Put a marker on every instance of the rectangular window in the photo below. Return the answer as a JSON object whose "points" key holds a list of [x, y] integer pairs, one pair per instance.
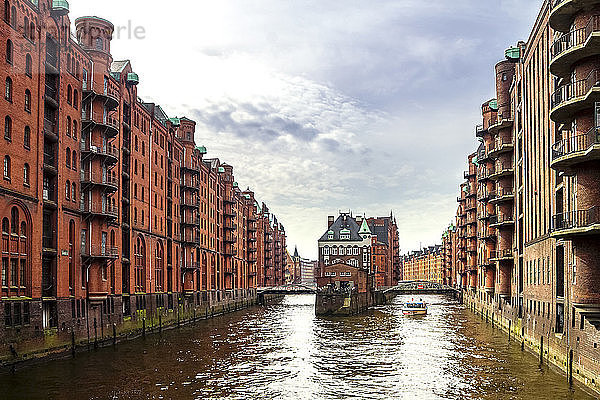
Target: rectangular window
{"points": [[26, 313], [7, 314], [13, 272], [560, 318], [5, 272]]}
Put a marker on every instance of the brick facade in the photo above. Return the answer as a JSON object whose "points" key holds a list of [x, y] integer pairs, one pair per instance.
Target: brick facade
{"points": [[108, 206]]}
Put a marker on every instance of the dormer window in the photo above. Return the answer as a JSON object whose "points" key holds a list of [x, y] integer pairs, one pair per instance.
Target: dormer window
{"points": [[330, 235]]}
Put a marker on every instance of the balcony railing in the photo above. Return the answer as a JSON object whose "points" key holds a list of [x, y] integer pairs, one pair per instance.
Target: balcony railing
{"points": [[501, 254], [575, 37], [99, 179], [108, 121], [575, 89], [108, 150], [576, 144], [100, 251], [99, 209], [576, 219]]}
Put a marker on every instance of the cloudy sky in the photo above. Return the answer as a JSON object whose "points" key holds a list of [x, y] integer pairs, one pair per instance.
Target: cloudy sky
{"points": [[327, 105]]}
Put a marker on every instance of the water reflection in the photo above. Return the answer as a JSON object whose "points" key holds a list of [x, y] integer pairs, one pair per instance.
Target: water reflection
{"points": [[285, 352]]}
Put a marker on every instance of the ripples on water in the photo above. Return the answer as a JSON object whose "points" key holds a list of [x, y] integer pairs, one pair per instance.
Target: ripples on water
{"points": [[285, 352]]}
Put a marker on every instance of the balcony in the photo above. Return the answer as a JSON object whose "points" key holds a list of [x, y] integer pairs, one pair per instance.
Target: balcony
{"points": [[230, 213], [576, 96], [577, 149], [575, 44], [252, 227], [104, 180], [188, 184], [109, 96], [480, 130], [460, 199], [99, 210], [188, 238], [471, 249], [485, 174], [51, 95], [50, 130], [190, 167], [109, 152], [471, 173], [576, 223], [487, 234], [191, 266], [50, 163], [471, 205], [501, 221], [501, 170], [190, 221], [99, 252], [228, 200], [502, 255], [502, 122], [230, 226], [108, 124], [190, 203], [229, 238], [501, 145], [230, 252], [502, 195], [484, 195]]}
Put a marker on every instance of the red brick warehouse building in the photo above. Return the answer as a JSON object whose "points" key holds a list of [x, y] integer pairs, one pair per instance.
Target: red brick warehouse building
{"points": [[110, 211], [530, 258]]}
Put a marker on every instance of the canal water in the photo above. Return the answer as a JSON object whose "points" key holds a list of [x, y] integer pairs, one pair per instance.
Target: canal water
{"points": [[284, 352]]}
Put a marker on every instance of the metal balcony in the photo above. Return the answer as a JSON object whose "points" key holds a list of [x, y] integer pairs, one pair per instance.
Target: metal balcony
{"points": [[502, 195], [190, 185], [576, 150], [480, 130], [108, 124], [99, 252], [502, 122], [189, 167], [99, 210], [230, 226], [576, 96], [502, 170], [109, 152], [190, 203], [562, 12], [104, 180], [576, 223], [502, 255], [501, 145], [109, 97], [501, 221]]}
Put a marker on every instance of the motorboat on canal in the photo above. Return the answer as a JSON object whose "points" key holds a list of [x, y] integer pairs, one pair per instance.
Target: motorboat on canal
{"points": [[414, 308]]}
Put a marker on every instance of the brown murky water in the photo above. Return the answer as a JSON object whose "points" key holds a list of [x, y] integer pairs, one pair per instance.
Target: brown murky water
{"points": [[285, 352]]}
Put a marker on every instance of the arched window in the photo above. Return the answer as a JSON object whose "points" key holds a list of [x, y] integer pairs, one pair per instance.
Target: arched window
{"points": [[69, 126], [160, 268], [75, 99], [69, 92], [27, 100], [77, 70], [68, 190], [13, 17], [27, 137], [14, 220], [72, 256], [74, 160], [6, 11], [15, 254], [75, 129], [140, 265], [8, 89], [28, 65], [7, 128], [32, 31], [26, 27], [99, 44], [68, 158], [7, 167], [135, 215], [26, 174], [9, 51], [69, 69], [74, 191]]}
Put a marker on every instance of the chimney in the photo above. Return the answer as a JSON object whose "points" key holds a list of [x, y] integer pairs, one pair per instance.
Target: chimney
{"points": [[359, 219], [330, 220]]}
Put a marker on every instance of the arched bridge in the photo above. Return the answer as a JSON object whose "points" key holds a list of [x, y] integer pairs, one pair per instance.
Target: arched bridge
{"points": [[421, 287], [287, 289]]}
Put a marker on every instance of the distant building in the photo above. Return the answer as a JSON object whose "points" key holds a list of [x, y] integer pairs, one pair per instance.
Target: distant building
{"points": [[307, 271], [424, 265]]}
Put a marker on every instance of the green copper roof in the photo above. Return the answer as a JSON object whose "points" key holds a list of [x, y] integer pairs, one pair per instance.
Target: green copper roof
{"points": [[235, 184], [494, 104], [512, 53], [133, 78], [60, 4], [175, 121], [201, 149], [221, 170], [364, 228]]}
